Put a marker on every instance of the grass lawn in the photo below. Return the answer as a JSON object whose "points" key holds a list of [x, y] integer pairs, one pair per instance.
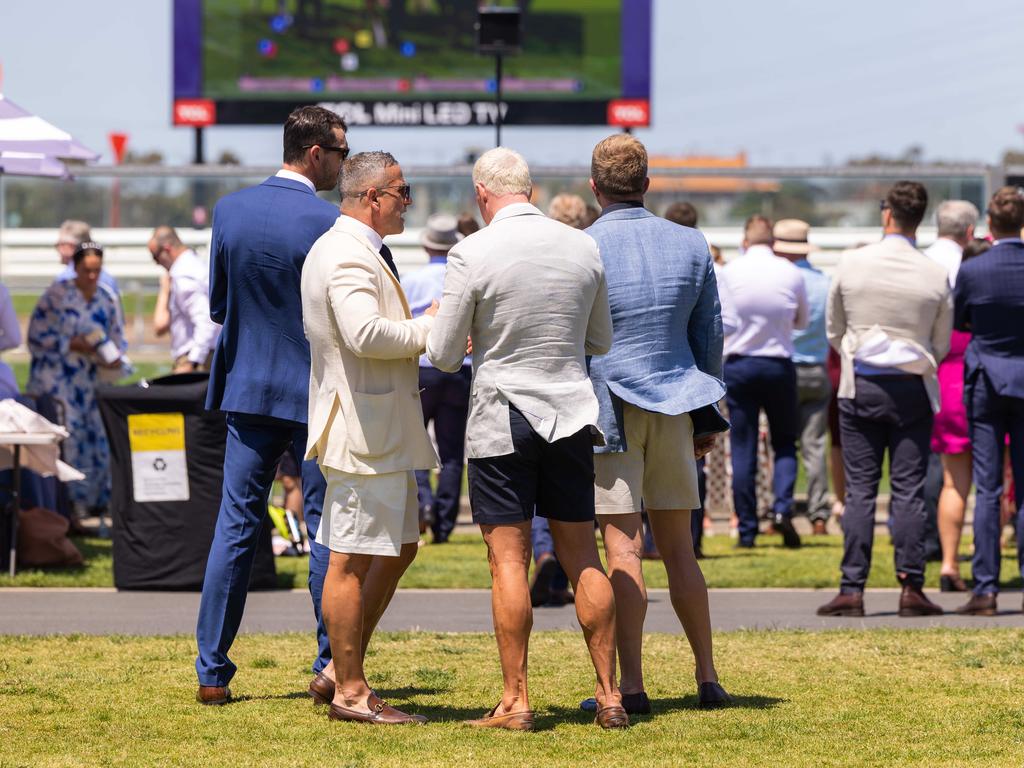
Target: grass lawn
{"points": [[462, 562], [873, 698]]}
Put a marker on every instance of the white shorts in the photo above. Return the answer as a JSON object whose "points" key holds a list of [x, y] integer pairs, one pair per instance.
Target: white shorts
{"points": [[369, 514], [658, 469]]}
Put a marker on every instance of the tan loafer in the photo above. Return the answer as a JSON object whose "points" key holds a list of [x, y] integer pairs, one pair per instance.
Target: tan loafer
{"points": [[510, 721], [213, 695], [382, 713]]}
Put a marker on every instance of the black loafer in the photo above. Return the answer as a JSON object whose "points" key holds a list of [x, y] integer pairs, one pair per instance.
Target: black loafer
{"points": [[712, 695], [633, 703]]}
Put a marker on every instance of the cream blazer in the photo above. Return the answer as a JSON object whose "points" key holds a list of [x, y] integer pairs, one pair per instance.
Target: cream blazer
{"points": [[886, 292], [364, 404]]}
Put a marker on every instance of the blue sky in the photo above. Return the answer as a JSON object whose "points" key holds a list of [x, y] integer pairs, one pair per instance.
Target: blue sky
{"points": [[789, 81]]}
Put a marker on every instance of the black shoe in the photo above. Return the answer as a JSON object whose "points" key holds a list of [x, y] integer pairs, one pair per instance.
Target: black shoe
{"points": [[711, 695], [744, 545], [951, 584], [633, 703], [783, 525], [543, 573]]}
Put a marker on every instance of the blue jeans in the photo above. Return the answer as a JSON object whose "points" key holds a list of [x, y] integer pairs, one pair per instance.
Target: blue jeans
{"points": [[756, 383], [254, 446]]}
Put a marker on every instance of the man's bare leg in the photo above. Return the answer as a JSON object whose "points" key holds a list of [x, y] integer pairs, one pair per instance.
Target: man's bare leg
{"points": [[508, 555], [381, 583], [595, 601], [623, 545], [343, 617], [686, 586]]}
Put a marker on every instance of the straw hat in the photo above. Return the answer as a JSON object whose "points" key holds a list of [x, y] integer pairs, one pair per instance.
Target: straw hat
{"points": [[791, 237], [441, 232]]}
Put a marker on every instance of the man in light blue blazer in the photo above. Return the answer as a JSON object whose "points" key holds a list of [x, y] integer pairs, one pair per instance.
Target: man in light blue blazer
{"points": [[260, 374], [664, 368]]}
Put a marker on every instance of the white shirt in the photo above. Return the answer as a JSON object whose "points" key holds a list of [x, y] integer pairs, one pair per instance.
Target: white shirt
{"points": [[284, 173], [769, 301], [193, 333], [948, 253], [729, 320], [368, 232]]}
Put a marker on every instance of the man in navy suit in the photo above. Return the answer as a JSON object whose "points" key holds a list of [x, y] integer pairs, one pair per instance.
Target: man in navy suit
{"points": [[260, 374], [988, 301]]}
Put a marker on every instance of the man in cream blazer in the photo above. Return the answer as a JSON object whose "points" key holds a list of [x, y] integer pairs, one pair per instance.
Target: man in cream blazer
{"points": [[889, 316], [365, 423], [531, 294]]}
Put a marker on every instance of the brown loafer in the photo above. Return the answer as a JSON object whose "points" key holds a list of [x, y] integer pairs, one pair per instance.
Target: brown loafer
{"points": [[979, 605], [612, 716], [321, 688], [213, 695], [913, 602], [844, 604], [510, 721], [382, 713]]}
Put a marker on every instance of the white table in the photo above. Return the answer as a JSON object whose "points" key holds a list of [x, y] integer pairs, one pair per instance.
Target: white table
{"points": [[16, 440]]}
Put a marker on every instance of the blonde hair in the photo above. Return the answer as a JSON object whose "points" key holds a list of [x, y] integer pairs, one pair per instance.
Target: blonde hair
{"points": [[619, 167], [569, 209], [503, 171]]}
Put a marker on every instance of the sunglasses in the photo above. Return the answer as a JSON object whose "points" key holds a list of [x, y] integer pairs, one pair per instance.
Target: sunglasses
{"points": [[343, 151], [404, 192]]}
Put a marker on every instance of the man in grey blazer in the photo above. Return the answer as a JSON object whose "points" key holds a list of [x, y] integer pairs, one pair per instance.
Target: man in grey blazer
{"points": [[889, 316], [531, 294]]}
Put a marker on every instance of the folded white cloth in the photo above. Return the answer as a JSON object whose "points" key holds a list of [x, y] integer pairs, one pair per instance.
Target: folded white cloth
{"points": [[17, 421]]}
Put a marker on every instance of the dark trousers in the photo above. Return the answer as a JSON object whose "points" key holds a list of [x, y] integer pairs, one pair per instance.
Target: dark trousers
{"points": [[445, 401], [992, 417], [254, 446], [888, 413], [756, 383], [544, 544]]}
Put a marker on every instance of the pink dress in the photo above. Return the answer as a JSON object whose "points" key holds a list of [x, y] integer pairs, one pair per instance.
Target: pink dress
{"points": [[949, 433]]}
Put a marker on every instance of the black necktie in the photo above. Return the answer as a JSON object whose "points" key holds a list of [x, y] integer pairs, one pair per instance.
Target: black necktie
{"points": [[386, 253]]}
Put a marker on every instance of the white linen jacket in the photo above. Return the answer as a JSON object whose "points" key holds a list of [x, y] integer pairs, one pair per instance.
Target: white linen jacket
{"points": [[365, 415]]}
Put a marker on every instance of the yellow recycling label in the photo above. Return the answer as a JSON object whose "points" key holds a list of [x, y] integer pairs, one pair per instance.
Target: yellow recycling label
{"points": [[159, 468]]}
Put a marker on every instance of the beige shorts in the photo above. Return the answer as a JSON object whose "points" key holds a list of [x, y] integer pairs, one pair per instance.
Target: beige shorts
{"points": [[369, 514], [658, 468]]}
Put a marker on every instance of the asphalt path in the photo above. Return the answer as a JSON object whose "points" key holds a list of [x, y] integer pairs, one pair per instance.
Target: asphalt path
{"points": [[108, 612]]}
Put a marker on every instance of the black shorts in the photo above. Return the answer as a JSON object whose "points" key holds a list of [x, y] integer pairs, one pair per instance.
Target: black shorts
{"points": [[554, 480]]}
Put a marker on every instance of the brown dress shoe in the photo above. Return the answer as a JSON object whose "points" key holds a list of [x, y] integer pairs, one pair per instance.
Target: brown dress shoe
{"points": [[844, 604], [951, 583], [979, 605], [213, 695], [321, 688], [913, 602], [612, 716], [380, 713], [819, 528], [511, 721]]}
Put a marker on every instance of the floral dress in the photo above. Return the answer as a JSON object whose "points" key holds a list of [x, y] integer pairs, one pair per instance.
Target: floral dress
{"points": [[62, 313]]}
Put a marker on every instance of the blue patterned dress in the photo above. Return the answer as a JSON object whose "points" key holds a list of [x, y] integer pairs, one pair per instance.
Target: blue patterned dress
{"points": [[62, 313]]}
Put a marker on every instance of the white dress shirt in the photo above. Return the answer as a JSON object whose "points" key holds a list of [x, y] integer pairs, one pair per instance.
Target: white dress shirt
{"points": [[284, 173], [368, 232], [948, 253], [769, 300], [193, 333]]}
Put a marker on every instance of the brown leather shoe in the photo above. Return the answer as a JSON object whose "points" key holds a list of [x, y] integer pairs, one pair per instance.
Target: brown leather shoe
{"points": [[979, 605], [321, 688], [951, 583], [612, 716], [511, 721], [819, 528], [913, 602], [213, 695], [844, 604], [381, 713]]}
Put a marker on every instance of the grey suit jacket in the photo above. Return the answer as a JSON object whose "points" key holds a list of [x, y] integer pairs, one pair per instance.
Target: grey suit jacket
{"points": [[890, 289], [531, 292]]}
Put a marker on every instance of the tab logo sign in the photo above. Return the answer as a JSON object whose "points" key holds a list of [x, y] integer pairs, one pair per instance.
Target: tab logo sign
{"points": [[159, 469], [198, 112], [629, 113]]}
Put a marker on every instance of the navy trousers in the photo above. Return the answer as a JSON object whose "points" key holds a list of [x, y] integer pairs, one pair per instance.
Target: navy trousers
{"points": [[254, 447], [888, 413], [755, 384], [991, 418], [445, 401]]}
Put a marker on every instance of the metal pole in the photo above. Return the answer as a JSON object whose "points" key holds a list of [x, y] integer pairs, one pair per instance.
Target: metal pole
{"points": [[497, 99], [3, 218], [15, 506], [197, 152]]}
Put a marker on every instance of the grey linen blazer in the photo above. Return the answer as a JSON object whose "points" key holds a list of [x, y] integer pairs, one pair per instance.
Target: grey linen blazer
{"points": [[531, 293]]}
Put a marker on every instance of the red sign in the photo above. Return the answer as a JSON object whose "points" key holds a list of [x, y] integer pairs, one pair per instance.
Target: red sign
{"points": [[119, 142], [629, 113], [194, 112]]}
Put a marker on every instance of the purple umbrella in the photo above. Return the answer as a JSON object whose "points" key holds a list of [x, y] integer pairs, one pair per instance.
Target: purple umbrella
{"points": [[21, 131]]}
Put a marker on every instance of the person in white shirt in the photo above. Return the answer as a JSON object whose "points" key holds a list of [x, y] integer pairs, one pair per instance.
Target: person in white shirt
{"points": [[768, 298], [193, 333], [955, 220]]}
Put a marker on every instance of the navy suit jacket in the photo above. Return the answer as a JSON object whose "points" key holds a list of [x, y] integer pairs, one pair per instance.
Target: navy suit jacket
{"points": [[261, 236], [988, 301]]}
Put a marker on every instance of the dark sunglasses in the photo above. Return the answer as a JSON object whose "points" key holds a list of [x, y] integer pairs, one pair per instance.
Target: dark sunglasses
{"points": [[343, 151], [404, 192]]}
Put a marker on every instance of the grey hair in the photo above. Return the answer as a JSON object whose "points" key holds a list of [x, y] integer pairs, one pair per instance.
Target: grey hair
{"points": [[503, 171], [73, 231], [364, 170], [955, 217]]}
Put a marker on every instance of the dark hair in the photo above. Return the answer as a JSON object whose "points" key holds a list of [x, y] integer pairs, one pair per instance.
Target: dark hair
{"points": [[1006, 211], [757, 230], [85, 249], [908, 201], [306, 126], [467, 224], [682, 213], [975, 247]]}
